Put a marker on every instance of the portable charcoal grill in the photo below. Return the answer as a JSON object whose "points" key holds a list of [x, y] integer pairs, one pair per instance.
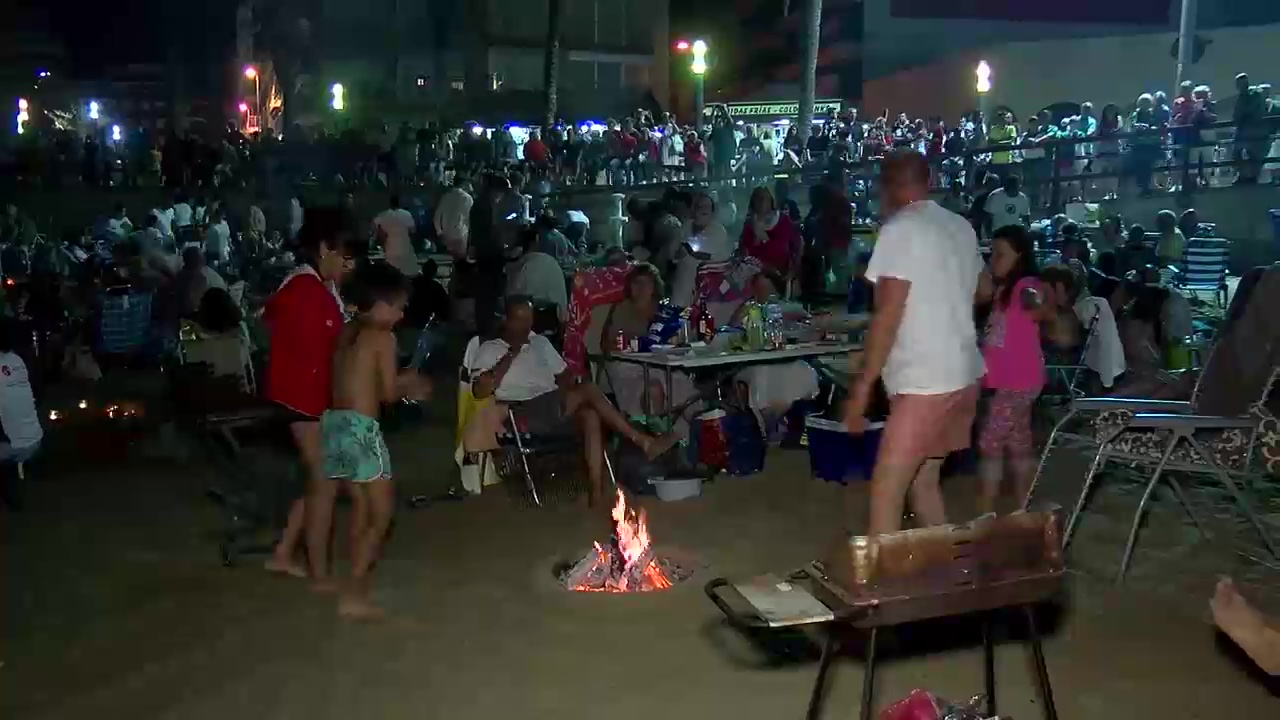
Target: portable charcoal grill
{"points": [[865, 584]]}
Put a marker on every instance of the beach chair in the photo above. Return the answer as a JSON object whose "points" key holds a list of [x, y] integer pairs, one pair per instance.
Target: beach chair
{"points": [[516, 445], [1204, 267], [1223, 431], [1065, 382]]}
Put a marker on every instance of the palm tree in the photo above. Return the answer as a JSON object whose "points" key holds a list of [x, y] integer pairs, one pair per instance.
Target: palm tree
{"points": [[287, 38], [551, 64], [809, 74]]}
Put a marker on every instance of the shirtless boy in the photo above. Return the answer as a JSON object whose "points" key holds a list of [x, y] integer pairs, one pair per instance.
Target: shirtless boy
{"points": [[364, 378]]}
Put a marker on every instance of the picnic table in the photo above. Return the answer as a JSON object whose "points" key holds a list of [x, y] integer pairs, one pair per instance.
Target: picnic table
{"points": [[721, 360]]}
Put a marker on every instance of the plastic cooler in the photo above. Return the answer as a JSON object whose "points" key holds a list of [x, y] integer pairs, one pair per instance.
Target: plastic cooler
{"points": [[835, 455]]}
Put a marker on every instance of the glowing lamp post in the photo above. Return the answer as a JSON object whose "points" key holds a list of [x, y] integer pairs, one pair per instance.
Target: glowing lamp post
{"points": [[983, 86], [339, 101], [251, 73], [94, 110], [699, 68], [23, 115]]}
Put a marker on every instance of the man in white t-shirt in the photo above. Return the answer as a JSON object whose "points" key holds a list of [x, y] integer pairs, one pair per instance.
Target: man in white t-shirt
{"points": [[18, 416], [1008, 205], [394, 229], [521, 366], [182, 213], [921, 341], [164, 220]]}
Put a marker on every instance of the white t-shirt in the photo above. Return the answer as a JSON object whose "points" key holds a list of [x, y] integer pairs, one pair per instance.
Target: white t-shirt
{"points": [[17, 404], [295, 217], [936, 349], [218, 242], [1006, 209], [712, 240], [532, 373], [164, 221], [181, 215], [396, 225]]}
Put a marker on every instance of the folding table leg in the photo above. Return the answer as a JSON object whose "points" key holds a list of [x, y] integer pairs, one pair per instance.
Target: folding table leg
{"points": [[818, 695], [869, 677], [989, 662], [1042, 671]]}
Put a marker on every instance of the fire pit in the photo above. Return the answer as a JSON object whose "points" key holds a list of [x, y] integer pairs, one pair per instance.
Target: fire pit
{"points": [[626, 563]]}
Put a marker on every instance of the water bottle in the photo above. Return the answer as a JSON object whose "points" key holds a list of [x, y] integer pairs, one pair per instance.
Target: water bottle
{"points": [[773, 326]]}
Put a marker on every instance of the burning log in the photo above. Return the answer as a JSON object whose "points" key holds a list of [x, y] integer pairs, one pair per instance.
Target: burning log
{"points": [[627, 563]]}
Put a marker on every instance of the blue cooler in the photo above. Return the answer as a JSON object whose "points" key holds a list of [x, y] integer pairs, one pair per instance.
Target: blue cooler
{"points": [[835, 455]]}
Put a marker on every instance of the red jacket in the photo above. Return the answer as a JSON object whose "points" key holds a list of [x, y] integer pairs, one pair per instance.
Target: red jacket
{"points": [[303, 320], [781, 248]]}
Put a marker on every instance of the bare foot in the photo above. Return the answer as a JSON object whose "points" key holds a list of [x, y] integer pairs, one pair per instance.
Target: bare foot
{"points": [[358, 609], [655, 446], [285, 567], [1245, 625], [324, 585]]}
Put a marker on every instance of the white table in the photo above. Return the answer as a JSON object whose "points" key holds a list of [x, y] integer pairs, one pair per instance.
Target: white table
{"points": [[707, 357]]}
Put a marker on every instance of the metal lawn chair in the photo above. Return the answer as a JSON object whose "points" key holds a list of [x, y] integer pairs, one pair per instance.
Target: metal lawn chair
{"points": [[517, 443], [1065, 381], [1167, 435], [1204, 268]]}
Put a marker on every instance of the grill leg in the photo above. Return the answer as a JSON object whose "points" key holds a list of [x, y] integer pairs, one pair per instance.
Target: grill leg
{"points": [[989, 662], [869, 677], [818, 695], [1042, 672]]}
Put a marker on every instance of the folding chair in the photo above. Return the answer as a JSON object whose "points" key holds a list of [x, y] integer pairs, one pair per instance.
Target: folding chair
{"points": [[1067, 378], [516, 441], [1205, 267], [1167, 435]]}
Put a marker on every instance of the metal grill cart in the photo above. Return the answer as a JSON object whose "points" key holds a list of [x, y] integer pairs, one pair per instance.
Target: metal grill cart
{"points": [[867, 584]]}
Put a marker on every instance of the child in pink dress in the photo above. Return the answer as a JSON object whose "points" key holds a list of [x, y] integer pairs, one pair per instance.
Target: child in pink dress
{"points": [[1015, 364]]}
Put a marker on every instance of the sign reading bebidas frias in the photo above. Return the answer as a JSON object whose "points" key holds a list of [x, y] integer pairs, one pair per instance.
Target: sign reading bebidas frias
{"points": [[782, 109]]}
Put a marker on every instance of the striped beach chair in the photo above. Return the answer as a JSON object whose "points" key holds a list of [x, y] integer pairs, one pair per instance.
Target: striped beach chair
{"points": [[1204, 267]]}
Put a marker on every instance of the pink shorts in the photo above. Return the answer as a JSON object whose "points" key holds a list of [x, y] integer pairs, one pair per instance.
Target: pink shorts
{"points": [[1007, 424], [921, 427]]}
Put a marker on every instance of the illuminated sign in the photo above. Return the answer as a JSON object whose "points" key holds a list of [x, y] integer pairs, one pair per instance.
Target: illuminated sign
{"points": [[783, 109]]}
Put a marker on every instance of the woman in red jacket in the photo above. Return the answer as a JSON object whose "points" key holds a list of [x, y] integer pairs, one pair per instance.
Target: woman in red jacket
{"points": [[770, 236], [303, 318]]}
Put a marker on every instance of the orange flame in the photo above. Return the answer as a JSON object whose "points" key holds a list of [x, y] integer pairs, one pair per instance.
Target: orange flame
{"points": [[632, 531]]}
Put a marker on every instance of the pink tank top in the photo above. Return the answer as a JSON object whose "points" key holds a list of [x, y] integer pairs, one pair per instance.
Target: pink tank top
{"points": [[1011, 345]]}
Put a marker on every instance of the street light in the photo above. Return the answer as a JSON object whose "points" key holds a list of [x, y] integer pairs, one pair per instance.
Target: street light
{"points": [[699, 68], [23, 116], [984, 77], [93, 109], [339, 98], [251, 73], [984, 87]]}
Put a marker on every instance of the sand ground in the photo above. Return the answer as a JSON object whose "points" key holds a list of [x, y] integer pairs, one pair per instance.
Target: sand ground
{"points": [[115, 606]]}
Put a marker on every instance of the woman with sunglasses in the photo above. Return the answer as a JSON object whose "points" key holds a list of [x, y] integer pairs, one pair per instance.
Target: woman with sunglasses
{"points": [[303, 319]]}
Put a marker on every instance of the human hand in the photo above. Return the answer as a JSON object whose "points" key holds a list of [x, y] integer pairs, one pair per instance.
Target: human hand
{"points": [[855, 409], [413, 386]]}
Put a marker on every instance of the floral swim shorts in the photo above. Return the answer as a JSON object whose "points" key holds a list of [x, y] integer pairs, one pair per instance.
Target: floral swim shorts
{"points": [[1006, 426], [353, 448]]}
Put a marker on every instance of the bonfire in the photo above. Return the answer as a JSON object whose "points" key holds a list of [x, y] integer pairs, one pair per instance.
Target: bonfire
{"points": [[627, 563]]}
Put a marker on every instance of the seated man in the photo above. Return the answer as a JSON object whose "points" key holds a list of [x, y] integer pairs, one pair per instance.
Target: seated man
{"points": [[520, 366]]}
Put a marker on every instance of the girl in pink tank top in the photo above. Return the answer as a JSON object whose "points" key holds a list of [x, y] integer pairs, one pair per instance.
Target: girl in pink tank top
{"points": [[1015, 365]]}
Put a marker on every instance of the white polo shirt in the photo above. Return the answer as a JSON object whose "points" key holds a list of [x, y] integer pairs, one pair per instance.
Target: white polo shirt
{"points": [[531, 374], [936, 349]]}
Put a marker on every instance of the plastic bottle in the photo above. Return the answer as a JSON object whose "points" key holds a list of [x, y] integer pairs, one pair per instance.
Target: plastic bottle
{"points": [[773, 326]]}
